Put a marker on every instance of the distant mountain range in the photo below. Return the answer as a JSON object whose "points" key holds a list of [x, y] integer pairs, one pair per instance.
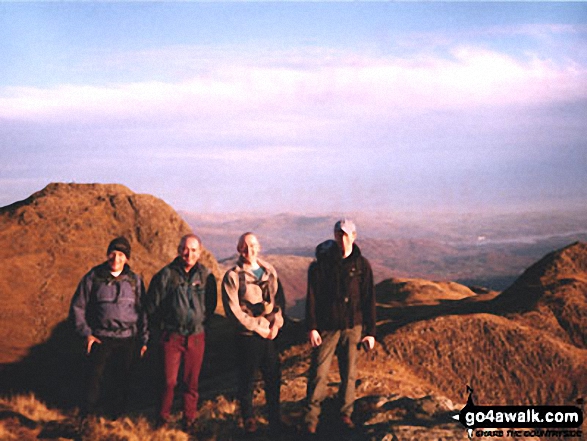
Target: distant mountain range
{"points": [[488, 251]]}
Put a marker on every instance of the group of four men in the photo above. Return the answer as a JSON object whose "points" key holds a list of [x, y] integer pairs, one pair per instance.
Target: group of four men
{"points": [[119, 319]]}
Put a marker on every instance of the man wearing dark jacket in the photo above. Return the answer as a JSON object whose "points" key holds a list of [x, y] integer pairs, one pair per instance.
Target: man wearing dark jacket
{"points": [[180, 298], [340, 315], [107, 310]]}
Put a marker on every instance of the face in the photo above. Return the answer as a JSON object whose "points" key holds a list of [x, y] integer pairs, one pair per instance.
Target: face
{"points": [[249, 249], [189, 252], [345, 241], [116, 261]]}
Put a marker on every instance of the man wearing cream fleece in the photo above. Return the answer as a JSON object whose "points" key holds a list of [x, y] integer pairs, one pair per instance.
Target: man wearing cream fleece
{"points": [[249, 292]]}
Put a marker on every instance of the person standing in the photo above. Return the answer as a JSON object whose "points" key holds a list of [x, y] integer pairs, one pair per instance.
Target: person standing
{"points": [[340, 316], [107, 311], [180, 298], [249, 291]]}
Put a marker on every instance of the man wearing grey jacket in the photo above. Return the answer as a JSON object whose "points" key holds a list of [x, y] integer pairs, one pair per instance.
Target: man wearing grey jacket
{"points": [[107, 311]]}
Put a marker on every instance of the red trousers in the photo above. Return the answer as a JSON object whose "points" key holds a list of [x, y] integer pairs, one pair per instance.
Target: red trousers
{"points": [[190, 349]]}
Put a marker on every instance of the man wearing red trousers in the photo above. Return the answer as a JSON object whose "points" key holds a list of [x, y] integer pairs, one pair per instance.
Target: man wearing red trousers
{"points": [[180, 298]]}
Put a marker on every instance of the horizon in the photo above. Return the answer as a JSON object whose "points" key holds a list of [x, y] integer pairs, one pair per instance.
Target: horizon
{"points": [[254, 107], [404, 213]]}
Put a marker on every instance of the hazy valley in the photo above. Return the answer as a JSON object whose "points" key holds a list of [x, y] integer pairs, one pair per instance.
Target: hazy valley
{"points": [[489, 251]]}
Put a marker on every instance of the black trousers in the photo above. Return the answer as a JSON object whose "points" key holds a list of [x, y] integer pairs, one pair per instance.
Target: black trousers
{"points": [[114, 357], [255, 353]]}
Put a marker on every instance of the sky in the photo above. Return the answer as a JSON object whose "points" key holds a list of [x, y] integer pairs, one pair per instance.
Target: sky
{"points": [[300, 107]]}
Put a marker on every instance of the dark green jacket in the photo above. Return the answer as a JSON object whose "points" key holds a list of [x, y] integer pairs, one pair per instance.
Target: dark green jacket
{"points": [[181, 302]]}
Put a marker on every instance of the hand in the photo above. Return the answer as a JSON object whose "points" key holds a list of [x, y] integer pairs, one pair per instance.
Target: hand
{"points": [[315, 338], [273, 331], [369, 342], [278, 320], [264, 332], [90, 342], [143, 350]]}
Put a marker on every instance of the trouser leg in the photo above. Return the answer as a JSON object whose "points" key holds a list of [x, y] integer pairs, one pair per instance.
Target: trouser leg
{"points": [[98, 358], [248, 347], [194, 355], [271, 370], [318, 374], [123, 356], [347, 361], [172, 349]]}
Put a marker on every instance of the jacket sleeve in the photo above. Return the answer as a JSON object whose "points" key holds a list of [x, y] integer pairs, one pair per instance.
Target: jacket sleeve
{"points": [[211, 295], [79, 304], [311, 322], [280, 296], [368, 300], [142, 324], [153, 300], [277, 295], [279, 302], [232, 307]]}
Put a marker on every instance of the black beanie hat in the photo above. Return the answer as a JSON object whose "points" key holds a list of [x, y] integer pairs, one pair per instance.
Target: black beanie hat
{"points": [[120, 244]]}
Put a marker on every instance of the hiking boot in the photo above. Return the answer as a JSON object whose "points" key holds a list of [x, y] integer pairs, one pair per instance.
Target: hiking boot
{"points": [[84, 423], [346, 421], [161, 423], [189, 427], [311, 428], [275, 429], [250, 425]]}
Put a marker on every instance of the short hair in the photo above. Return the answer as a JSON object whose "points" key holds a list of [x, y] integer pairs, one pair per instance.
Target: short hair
{"points": [[241, 239], [185, 238]]}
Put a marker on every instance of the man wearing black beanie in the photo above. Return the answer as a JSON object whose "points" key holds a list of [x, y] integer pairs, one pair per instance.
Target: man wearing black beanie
{"points": [[119, 244], [107, 310]]}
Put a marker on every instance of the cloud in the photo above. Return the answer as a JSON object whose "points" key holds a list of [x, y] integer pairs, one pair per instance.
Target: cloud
{"points": [[372, 126], [311, 87]]}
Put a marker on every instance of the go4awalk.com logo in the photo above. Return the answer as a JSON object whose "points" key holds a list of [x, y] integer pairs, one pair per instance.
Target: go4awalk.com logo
{"points": [[538, 421]]}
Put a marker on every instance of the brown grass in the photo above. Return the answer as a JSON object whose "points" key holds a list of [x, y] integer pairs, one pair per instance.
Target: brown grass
{"points": [[130, 429], [28, 406], [25, 417]]}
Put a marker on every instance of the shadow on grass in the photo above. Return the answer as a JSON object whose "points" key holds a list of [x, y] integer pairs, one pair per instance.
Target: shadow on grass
{"points": [[54, 371]]}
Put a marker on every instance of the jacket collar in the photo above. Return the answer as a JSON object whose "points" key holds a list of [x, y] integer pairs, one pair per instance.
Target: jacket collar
{"points": [[103, 271], [262, 263], [330, 251], [177, 265]]}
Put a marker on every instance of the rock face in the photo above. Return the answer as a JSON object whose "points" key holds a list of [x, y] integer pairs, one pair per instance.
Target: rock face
{"points": [[51, 239]]}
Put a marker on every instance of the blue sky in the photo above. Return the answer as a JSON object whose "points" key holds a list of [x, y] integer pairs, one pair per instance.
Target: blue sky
{"points": [[301, 106]]}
